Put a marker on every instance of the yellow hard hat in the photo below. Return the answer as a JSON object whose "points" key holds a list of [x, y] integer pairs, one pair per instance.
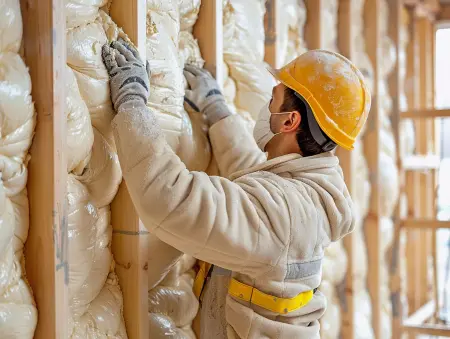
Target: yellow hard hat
{"points": [[335, 91]]}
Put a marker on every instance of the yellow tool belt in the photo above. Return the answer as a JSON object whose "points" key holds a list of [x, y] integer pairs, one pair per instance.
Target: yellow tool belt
{"points": [[251, 294], [269, 302], [200, 278]]}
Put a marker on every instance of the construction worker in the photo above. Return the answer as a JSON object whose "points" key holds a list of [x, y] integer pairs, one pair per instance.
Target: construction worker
{"points": [[269, 219]]}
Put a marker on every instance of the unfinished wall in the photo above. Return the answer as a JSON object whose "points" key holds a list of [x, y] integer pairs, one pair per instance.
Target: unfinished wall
{"points": [[95, 299], [388, 172], [170, 45], [18, 314], [361, 185]]}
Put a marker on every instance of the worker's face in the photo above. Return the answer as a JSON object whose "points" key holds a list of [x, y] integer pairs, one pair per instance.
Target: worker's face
{"points": [[284, 123]]}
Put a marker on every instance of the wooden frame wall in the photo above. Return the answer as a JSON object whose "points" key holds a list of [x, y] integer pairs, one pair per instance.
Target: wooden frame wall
{"points": [[44, 36], [46, 247]]}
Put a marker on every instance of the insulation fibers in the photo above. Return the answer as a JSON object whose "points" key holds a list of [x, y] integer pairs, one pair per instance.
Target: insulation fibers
{"points": [[243, 44], [186, 138], [94, 175], [170, 45], [329, 23], [290, 38], [18, 314], [330, 323]]}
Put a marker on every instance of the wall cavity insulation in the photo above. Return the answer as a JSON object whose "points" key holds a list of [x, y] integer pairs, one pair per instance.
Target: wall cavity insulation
{"points": [[94, 175], [18, 314]]}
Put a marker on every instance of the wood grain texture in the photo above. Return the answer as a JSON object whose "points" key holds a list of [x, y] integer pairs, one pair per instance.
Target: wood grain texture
{"points": [[46, 248], [130, 238]]}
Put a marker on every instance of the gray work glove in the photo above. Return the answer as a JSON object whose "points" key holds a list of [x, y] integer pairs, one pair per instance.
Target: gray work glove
{"points": [[129, 76], [204, 95]]}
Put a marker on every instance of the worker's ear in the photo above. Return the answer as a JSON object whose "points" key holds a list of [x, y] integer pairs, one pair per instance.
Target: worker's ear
{"points": [[291, 122]]}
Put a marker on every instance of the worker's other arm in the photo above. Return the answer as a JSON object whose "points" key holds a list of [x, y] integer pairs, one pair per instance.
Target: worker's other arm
{"points": [[233, 146], [210, 218]]}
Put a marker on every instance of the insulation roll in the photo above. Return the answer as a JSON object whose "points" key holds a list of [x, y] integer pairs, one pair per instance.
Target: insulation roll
{"points": [[18, 313], [244, 54], [186, 137], [17, 117], [290, 37], [170, 45], [95, 297], [10, 26], [80, 136]]}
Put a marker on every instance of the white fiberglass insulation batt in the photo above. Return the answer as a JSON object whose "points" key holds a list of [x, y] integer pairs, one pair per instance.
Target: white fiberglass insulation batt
{"points": [[406, 125], [290, 37], [335, 260], [247, 83], [170, 45], [95, 299], [18, 314], [388, 172]]}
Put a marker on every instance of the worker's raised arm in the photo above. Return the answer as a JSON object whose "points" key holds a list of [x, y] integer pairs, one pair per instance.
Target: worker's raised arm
{"points": [[233, 146], [210, 218]]}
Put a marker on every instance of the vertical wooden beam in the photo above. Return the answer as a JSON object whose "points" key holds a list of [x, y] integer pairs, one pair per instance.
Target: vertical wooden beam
{"points": [[130, 238], [313, 26], [46, 248], [412, 178], [396, 89], [346, 47], [423, 128], [272, 21], [208, 31], [372, 34]]}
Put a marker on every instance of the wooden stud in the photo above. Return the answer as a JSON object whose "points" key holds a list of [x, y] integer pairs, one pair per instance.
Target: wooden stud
{"points": [[425, 223], [346, 47], [46, 248], [373, 39], [396, 89], [272, 46], [208, 31], [426, 114], [432, 330], [130, 238], [313, 26]]}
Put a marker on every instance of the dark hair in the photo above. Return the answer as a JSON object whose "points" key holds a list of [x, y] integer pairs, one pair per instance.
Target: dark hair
{"points": [[308, 146]]}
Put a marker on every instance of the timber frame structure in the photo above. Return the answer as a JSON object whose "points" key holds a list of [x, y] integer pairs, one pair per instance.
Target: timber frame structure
{"points": [[44, 48]]}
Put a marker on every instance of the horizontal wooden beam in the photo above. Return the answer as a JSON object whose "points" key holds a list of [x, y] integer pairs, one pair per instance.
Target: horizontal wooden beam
{"points": [[428, 113], [421, 162], [429, 329], [444, 13], [424, 223], [421, 315]]}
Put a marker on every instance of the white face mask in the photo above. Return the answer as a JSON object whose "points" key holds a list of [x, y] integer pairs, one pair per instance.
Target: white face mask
{"points": [[262, 132]]}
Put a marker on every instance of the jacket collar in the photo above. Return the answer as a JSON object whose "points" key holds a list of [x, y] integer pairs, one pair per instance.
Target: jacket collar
{"points": [[291, 163]]}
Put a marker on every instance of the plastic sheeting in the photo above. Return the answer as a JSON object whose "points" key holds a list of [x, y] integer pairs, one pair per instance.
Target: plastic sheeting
{"points": [[170, 45], [18, 314], [95, 299]]}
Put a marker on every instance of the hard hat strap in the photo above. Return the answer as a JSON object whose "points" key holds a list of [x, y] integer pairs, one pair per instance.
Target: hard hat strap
{"points": [[325, 143]]}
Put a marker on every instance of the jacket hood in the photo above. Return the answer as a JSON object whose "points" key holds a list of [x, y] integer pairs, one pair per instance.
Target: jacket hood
{"points": [[320, 174]]}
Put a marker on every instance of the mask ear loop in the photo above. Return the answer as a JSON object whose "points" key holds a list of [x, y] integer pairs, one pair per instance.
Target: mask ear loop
{"points": [[318, 135]]}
